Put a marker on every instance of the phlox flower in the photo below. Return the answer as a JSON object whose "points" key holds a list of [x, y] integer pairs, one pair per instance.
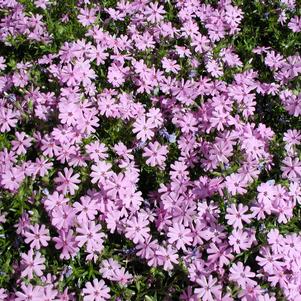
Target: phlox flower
{"points": [[170, 65], [137, 229], [21, 143], [201, 43], [236, 215], [63, 217], [12, 178], [155, 154], [179, 235], [221, 253], [54, 200], [3, 294], [209, 288], [295, 191], [266, 297], [143, 128], [100, 172], [30, 292], [235, 184], [250, 292], [112, 270], [86, 209], [32, 263], [2, 63], [87, 16], [242, 275], [154, 12], [295, 24], [168, 257], [66, 243], [89, 233], [67, 182], [240, 240], [96, 291], [291, 168], [37, 236]]}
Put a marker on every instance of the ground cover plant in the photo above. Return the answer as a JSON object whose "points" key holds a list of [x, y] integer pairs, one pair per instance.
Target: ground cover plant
{"points": [[150, 150]]}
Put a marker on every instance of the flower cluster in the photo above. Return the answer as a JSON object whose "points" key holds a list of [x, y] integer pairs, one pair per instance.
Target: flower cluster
{"points": [[149, 149]]}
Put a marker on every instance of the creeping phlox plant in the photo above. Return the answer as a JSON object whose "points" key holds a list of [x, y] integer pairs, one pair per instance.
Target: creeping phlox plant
{"points": [[150, 150]]}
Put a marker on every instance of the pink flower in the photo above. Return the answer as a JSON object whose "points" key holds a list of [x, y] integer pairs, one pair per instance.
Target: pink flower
{"points": [[291, 168], [201, 43], [154, 12], [55, 200], [86, 209], [112, 270], [32, 264], [155, 154], [8, 119], [168, 256], [235, 184], [144, 128], [179, 235], [89, 233], [295, 24], [21, 143], [37, 236], [96, 291], [170, 65], [235, 216], [240, 240], [67, 182], [2, 63], [100, 172], [209, 288], [242, 275], [63, 217], [30, 293], [12, 179], [137, 229], [66, 241], [87, 16]]}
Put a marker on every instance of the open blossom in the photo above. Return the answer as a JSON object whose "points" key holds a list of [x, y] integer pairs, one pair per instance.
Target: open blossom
{"points": [[89, 233], [291, 168], [96, 291], [8, 119], [240, 240], [137, 229], [63, 217], [155, 154], [170, 65], [236, 215], [55, 200], [209, 288], [29, 292], [235, 184], [154, 12], [242, 275], [33, 264], [37, 236], [100, 172], [21, 143], [87, 16], [86, 209], [143, 128], [67, 182], [66, 243], [295, 24], [179, 235], [112, 270]]}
